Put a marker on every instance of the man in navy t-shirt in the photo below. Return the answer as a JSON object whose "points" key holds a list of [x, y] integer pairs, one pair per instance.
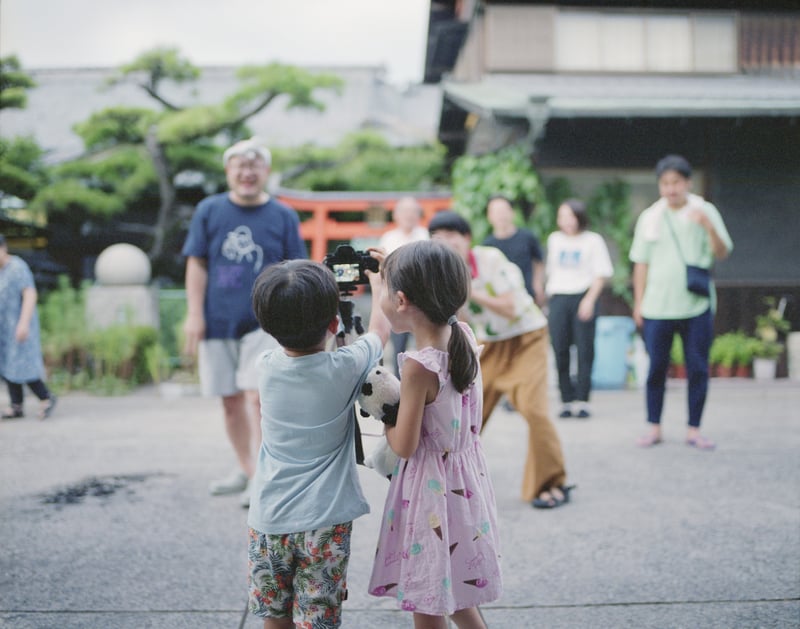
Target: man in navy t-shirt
{"points": [[232, 237]]}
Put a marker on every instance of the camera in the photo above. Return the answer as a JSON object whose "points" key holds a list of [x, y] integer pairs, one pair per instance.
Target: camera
{"points": [[349, 266]]}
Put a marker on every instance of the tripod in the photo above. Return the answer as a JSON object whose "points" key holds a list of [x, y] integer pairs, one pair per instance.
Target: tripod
{"points": [[350, 321]]}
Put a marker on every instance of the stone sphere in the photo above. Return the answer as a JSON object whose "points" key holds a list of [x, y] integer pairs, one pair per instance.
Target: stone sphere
{"points": [[122, 264]]}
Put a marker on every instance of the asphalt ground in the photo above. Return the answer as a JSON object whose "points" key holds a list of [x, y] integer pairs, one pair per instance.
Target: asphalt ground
{"points": [[106, 521]]}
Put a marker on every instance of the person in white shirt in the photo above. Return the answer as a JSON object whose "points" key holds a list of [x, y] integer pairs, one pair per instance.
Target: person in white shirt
{"points": [[407, 215], [578, 266]]}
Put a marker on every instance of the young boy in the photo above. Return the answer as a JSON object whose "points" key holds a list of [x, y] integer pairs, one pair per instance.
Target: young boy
{"points": [[305, 491]]}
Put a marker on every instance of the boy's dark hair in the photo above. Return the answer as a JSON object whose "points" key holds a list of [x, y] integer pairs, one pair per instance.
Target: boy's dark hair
{"points": [[295, 301], [677, 163], [449, 221], [437, 281], [578, 208]]}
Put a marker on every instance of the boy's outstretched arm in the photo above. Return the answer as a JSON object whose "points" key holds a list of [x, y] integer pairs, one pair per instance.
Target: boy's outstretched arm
{"points": [[378, 323]]}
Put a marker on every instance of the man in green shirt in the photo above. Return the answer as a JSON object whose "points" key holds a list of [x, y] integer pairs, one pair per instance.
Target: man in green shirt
{"points": [[679, 229]]}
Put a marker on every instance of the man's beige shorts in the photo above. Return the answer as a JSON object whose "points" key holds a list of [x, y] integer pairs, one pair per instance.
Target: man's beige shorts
{"points": [[227, 366]]}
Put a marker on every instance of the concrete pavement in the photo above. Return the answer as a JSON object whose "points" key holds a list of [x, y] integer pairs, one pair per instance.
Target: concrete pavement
{"points": [[105, 519]]}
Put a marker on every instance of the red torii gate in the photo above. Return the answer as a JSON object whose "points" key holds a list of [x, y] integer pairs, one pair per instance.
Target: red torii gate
{"points": [[321, 227]]}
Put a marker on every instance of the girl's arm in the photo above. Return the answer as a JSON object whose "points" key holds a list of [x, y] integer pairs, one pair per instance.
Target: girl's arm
{"points": [[418, 387], [378, 323], [586, 307]]}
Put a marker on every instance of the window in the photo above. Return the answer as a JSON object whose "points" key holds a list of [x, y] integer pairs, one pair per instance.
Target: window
{"points": [[595, 41]]}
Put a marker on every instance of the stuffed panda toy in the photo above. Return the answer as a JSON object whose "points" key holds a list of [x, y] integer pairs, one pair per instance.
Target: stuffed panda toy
{"points": [[380, 398]]}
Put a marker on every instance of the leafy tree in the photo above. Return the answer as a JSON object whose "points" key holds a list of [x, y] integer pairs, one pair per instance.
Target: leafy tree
{"points": [[508, 172], [134, 155], [22, 170], [14, 83], [363, 160]]}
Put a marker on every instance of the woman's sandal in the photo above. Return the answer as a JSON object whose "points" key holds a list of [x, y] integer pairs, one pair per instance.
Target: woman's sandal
{"points": [[47, 407], [13, 412], [701, 443], [548, 500], [648, 441]]}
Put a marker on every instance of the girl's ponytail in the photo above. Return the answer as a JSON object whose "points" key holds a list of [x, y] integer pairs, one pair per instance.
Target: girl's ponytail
{"points": [[463, 360]]}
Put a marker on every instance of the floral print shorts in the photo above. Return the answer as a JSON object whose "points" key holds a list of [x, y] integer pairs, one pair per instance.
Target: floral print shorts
{"points": [[300, 575]]}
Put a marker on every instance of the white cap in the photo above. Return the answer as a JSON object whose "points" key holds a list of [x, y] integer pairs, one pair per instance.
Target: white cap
{"points": [[249, 148]]}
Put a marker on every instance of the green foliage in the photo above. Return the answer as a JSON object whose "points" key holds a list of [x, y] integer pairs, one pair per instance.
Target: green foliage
{"points": [[64, 333], [508, 172], [14, 83], [186, 125], [125, 172], [74, 200], [771, 326], [609, 211], [108, 360], [115, 125], [723, 350], [22, 171], [153, 66], [676, 355], [260, 82], [363, 160]]}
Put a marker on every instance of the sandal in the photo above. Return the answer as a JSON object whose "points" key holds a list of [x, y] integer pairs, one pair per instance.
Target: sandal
{"points": [[13, 412], [648, 441], [701, 443], [47, 407], [548, 500]]}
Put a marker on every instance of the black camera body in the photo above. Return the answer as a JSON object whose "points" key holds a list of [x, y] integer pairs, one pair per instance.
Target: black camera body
{"points": [[349, 266]]}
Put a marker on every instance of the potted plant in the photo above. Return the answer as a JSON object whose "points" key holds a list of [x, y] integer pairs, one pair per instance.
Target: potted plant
{"points": [[745, 351], [722, 354], [770, 327]]}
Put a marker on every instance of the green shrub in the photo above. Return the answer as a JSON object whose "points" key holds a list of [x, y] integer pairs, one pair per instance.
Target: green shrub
{"points": [[107, 360]]}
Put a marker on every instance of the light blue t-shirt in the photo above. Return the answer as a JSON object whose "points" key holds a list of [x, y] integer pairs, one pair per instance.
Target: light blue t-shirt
{"points": [[306, 476]]}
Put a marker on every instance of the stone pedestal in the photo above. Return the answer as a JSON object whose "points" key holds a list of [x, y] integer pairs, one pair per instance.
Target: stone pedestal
{"points": [[122, 294], [109, 305]]}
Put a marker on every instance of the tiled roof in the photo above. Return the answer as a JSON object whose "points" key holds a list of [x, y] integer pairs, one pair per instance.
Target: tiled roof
{"points": [[567, 95], [63, 98]]}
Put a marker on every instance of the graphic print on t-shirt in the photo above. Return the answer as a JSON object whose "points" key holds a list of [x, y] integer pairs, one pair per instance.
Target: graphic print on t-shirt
{"points": [[239, 246], [570, 259]]}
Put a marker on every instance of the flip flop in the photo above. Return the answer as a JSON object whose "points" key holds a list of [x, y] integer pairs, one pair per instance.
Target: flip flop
{"points": [[648, 441], [552, 502], [701, 443]]}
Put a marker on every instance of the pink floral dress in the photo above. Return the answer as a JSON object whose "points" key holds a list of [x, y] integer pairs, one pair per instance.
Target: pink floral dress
{"points": [[438, 549]]}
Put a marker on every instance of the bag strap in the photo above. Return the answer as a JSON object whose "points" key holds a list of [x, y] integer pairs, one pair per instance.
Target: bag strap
{"points": [[668, 220], [674, 237]]}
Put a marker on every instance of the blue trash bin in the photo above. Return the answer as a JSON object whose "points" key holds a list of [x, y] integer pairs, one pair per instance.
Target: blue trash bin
{"points": [[612, 341]]}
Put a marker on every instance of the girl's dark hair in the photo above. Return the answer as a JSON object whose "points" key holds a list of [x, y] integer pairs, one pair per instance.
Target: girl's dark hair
{"points": [[678, 163], [578, 208], [437, 281], [295, 301]]}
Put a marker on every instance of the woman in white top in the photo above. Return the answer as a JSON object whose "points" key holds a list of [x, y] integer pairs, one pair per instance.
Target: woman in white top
{"points": [[578, 266]]}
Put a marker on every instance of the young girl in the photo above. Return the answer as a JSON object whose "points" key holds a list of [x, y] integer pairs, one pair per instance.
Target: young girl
{"points": [[438, 550]]}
